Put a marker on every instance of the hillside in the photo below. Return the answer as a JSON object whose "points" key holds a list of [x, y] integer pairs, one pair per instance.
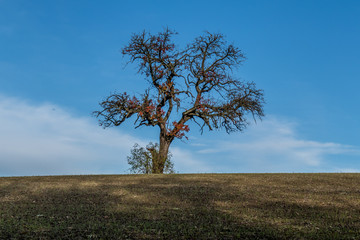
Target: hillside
{"points": [[181, 206]]}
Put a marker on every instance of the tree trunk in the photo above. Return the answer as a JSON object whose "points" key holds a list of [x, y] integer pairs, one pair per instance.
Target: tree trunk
{"points": [[159, 158]]}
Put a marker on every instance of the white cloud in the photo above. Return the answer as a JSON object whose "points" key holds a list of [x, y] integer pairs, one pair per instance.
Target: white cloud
{"points": [[346, 170], [45, 139], [186, 162], [272, 146]]}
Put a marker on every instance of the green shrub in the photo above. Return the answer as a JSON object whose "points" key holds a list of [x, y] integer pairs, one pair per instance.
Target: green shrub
{"points": [[141, 160]]}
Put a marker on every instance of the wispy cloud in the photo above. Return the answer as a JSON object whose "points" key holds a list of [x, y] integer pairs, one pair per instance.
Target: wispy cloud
{"points": [[188, 162], [45, 139], [273, 146]]}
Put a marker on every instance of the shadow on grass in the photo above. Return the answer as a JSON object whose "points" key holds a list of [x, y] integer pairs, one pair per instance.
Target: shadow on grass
{"points": [[165, 207]]}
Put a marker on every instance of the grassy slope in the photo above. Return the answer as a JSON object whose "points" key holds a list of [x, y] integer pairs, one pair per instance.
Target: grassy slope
{"points": [[199, 206]]}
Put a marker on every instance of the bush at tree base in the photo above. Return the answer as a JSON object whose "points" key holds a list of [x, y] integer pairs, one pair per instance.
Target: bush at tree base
{"points": [[141, 159]]}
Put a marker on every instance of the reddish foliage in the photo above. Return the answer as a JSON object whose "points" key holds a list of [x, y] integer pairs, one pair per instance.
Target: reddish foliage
{"points": [[195, 83], [179, 130]]}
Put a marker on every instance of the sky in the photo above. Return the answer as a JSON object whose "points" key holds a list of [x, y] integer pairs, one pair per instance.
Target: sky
{"points": [[59, 59]]}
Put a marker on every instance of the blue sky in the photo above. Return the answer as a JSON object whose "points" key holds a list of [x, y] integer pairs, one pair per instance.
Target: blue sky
{"points": [[58, 59]]}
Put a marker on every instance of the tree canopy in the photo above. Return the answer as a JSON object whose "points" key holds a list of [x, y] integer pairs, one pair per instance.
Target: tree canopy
{"points": [[191, 84]]}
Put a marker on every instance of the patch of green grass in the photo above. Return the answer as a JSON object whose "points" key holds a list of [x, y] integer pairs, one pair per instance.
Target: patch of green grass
{"points": [[181, 206]]}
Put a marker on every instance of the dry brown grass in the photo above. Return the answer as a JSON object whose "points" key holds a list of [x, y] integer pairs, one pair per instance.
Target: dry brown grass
{"points": [[193, 206]]}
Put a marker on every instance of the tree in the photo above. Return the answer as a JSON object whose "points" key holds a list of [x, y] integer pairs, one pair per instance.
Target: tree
{"points": [[190, 85], [141, 159]]}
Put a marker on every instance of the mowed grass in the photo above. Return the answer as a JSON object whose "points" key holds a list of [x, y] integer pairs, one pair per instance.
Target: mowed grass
{"points": [[181, 206]]}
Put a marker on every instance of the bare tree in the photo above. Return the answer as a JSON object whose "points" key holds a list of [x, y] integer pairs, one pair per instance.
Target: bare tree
{"points": [[194, 84]]}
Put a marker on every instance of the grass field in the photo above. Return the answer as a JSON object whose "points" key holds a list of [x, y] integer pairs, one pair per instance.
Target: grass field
{"points": [[181, 206]]}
